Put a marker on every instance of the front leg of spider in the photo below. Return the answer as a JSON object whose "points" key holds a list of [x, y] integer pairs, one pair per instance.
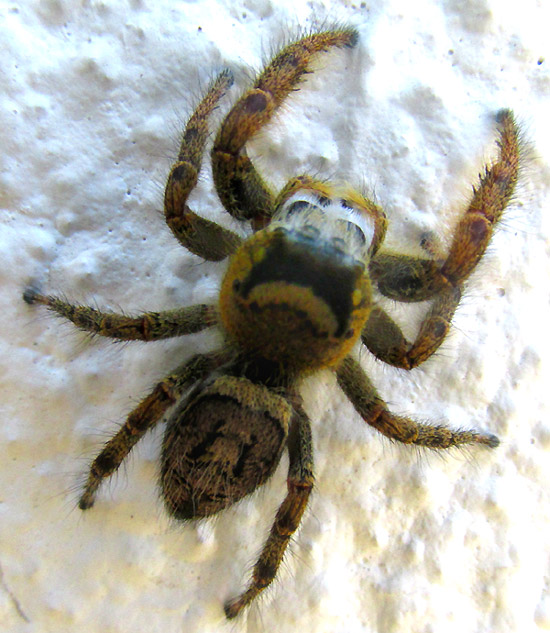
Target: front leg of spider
{"points": [[242, 190], [412, 279]]}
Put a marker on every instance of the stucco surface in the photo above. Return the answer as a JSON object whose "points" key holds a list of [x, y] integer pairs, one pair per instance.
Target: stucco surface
{"points": [[92, 98]]}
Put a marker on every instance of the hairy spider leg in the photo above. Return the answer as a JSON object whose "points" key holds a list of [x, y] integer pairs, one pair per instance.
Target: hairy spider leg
{"points": [[144, 417], [241, 189], [200, 236], [355, 383], [300, 483], [149, 326], [408, 279], [386, 341]]}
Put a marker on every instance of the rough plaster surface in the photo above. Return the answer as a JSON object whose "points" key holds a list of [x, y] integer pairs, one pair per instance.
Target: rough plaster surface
{"points": [[92, 97]]}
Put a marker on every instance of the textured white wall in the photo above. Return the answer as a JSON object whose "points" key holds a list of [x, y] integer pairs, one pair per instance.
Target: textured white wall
{"points": [[92, 96]]}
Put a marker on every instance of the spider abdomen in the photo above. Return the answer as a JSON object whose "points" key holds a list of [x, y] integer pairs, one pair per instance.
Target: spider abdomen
{"points": [[220, 445]]}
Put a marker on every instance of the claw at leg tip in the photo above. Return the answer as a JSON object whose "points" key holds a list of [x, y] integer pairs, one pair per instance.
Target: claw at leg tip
{"points": [[30, 295], [232, 609]]}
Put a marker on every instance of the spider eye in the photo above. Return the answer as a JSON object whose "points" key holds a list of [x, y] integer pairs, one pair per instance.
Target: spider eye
{"points": [[309, 231], [339, 244], [337, 221], [345, 204], [353, 231], [297, 206]]}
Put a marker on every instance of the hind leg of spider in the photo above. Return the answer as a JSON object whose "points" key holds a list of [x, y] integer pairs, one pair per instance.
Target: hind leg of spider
{"points": [[144, 417], [149, 326], [200, 236], [287, 520], [384, 338], [364, 397], [406, 278], [241, 188]]}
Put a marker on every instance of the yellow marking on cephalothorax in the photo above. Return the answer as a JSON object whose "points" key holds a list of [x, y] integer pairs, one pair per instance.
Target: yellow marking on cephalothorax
{"points": [[356, 297], [258, 254]]}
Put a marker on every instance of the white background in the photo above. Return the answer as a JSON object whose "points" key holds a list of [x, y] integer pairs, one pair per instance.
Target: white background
{"points": [[92, 98]]}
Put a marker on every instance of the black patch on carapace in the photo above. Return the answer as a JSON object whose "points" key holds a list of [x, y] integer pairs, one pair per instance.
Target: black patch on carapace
{"points": [[329, 274]]}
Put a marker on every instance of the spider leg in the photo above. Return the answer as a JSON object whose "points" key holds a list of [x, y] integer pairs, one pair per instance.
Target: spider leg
{"points": [[200, 236], [405, 278], [144, 417], [240, 187], [299, 483], [364, 397], [414, 279], [384, 338], [149, 326]]}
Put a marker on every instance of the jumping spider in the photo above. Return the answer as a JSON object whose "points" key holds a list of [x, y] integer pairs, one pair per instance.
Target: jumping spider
{"points": [[296, 297]]}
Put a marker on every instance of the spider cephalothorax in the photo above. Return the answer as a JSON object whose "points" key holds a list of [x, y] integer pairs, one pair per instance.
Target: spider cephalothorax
{"points": [[296, 297], [297, 292]]}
